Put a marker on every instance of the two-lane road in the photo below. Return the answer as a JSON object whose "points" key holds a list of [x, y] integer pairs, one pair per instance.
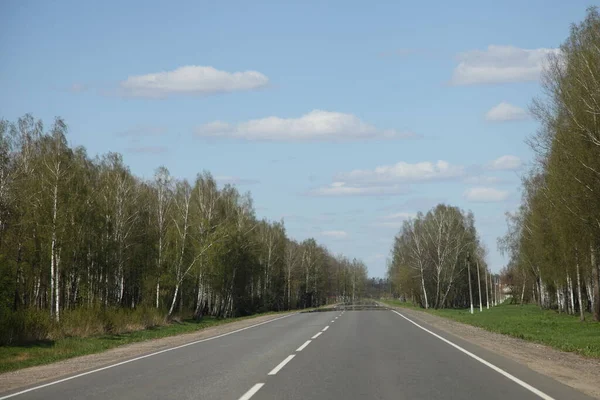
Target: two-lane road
{"points": [[370, 354]]}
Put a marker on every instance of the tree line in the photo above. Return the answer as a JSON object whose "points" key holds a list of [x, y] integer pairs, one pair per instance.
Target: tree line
{"points": [[82, 232], [438, 261], [553, 239]]}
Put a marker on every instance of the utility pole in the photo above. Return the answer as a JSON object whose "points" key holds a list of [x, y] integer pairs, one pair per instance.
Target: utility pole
{"points": [[479, 284], [487, 292], [469, 277]]}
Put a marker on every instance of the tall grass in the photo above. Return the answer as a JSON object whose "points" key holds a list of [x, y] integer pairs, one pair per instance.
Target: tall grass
{"points": [[30, 326]]}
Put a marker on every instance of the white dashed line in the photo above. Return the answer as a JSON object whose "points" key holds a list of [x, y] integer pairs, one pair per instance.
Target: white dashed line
{"points": [[332, 321], [282, 364], [303, 346], [252, 391], [139, 358], [317, 335], [484, 362], [324, 329]]}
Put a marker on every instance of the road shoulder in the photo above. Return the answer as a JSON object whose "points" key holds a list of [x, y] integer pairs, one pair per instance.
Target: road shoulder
{"points": [[22, 378], [571, 369]]}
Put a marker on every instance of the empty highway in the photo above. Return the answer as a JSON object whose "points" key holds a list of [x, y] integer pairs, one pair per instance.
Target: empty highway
{"points": [[366, 354]]}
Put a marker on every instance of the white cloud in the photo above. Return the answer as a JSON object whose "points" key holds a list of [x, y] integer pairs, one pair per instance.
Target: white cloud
{"points": [[504, 112], [400, 215], [506, 163], [485, 195], [335, 234], [316, 125], [389, 180], [343, 189], [500, 64], [234, 180], [403, 172], [191, 79]]}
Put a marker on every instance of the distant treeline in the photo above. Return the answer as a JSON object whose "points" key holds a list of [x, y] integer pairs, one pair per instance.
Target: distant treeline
{"points": [[77, 232]]}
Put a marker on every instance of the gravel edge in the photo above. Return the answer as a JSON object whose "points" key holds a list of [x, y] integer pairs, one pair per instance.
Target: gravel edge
{"points": [[571, 369], [40, 374]]}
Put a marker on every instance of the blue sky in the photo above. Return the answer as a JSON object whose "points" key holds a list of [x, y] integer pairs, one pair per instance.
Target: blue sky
{"points": [[342, 118]]}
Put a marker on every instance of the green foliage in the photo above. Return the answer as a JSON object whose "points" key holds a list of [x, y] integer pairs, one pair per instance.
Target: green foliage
{"points": [[90, 247], [554, 237], [48, 351], [430, 255]]}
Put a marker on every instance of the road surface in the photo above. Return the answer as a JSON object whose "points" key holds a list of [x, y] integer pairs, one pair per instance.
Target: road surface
{"points": [[367, 354]]}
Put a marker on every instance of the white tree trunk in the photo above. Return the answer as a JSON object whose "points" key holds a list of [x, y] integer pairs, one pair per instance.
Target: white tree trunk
{"points": [[571, 296], [579, 297], [487, 293], [479, 284]]}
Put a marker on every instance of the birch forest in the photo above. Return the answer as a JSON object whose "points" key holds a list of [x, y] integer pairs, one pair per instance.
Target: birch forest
{"points": [[553, 239], [84, 236], [436, 256]]}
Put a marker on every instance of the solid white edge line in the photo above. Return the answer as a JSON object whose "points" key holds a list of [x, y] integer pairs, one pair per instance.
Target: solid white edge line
{"points": [[275, 370], [139, 358], [314, 337], [324, 329], [252, 391], [484, 362], [304, 345]]}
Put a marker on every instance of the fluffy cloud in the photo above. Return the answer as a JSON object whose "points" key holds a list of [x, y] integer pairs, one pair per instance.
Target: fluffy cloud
{"points": [[344, 189], [400, 216], [506, 163], [504, 112], [500, 64], [389, 180], [314, 126], [485, 195], [234, 180], [191, 79], [403, 172], [335, 234]]}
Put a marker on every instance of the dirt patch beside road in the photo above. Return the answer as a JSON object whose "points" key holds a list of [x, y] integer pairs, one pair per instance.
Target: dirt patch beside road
{"points": [[44, 373], [570, 369]]}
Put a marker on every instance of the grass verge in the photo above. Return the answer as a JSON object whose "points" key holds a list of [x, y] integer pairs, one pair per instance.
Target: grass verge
{"points": [[49, 351], [529, 322]]}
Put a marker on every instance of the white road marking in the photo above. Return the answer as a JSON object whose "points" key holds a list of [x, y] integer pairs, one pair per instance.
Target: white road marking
{"points": [[282, 364], [303, 346], [314, 337], [332, 321], [252, 391], [139, 358], [324, 329], [484, 362]]}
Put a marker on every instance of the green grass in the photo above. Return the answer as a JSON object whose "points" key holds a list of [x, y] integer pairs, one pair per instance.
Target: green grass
{"points": [[45, 352], [528, 322]]}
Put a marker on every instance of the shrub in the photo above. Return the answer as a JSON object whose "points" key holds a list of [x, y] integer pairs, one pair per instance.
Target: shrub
{"points": [[24, 326]]}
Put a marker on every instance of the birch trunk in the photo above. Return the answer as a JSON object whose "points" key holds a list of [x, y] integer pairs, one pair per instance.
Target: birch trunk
{"points": [[479, 283], [581, 309]]}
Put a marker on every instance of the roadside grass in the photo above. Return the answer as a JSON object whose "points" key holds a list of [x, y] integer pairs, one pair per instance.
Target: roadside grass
{"points": [[529, 322], [49, 351]]}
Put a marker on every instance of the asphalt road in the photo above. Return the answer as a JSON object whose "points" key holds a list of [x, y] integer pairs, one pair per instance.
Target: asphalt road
{"points": [[370, 354]]}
